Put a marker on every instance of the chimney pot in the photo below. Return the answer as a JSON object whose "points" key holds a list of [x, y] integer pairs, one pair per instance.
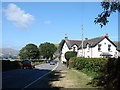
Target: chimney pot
{"points": [[66, 38], [107, 34]]}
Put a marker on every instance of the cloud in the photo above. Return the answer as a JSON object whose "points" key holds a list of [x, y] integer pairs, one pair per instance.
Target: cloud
{"points": [[19, 17], [47, 22]]}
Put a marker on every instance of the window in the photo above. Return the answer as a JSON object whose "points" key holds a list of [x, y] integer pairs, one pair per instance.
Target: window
{"points": [[99, 47], [109, 47], [73, 48]]}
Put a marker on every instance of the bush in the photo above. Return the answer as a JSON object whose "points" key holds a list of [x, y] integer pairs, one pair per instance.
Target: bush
{"points": [[69, 55]]}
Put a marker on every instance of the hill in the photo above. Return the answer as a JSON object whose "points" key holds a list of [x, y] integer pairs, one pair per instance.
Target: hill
{"points": [[6, 52]]}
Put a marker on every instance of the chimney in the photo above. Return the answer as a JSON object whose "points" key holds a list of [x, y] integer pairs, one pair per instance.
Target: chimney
{"points": [[66, 38], [107, 35], [86, 38]]}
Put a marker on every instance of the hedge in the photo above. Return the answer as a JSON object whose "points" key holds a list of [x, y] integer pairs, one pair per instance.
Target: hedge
{"points": [[109, 69], [110, 77], [90, 64], [10, 65]]}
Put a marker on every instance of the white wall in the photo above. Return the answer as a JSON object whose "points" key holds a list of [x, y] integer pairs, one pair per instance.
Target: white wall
{"points": [[104, 48], [119, 54], [64, 50], [86, 52]]}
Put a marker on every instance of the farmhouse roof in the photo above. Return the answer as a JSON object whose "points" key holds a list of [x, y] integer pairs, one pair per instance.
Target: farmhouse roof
{"points": [[70, 43], [117, 43], [92, 42]]}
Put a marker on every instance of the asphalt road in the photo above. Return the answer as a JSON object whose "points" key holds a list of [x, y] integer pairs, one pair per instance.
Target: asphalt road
{"points": [[24, 78]]}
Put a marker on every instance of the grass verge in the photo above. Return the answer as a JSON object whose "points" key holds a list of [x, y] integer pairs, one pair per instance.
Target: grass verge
{"points": [[38, 63], [69, 79]]}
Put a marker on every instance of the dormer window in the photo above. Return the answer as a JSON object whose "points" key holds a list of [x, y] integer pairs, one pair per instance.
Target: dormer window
{"points": [[109, 47], [73, 48], [99, 47]]}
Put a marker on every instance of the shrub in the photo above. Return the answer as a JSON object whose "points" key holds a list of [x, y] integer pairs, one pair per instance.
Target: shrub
{"points": [[69, 55]]}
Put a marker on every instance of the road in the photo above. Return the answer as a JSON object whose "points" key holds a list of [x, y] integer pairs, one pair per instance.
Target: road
{"points": [[25, 78]]}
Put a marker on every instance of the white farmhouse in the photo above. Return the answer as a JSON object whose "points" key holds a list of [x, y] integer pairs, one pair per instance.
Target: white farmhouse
{"points": [[98, 47]]}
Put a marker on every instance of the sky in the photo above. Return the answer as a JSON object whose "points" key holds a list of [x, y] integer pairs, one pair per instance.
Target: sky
{"points": [[39, 22]]}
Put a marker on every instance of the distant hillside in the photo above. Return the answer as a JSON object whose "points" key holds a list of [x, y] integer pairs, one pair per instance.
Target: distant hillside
{"points": [[8, 52], [57, 45]]}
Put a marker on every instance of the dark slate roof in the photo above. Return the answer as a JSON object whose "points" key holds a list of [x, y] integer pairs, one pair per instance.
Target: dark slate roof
{"points": [[93, 42], [70, 43], [117, 43]]}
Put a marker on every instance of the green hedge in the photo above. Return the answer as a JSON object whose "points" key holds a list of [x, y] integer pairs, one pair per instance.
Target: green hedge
{"points": [[10, 65], [110, 77], [107, 68], [90, 64]]}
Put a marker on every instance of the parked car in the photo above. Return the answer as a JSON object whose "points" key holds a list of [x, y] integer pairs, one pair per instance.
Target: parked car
{"points": [[52, 63], [28, 64], [48, 61]]}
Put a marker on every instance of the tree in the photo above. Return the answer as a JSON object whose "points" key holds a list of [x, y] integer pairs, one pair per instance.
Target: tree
{"points": [[69, 55], [47, 50], [30, 51], [109, 7]]}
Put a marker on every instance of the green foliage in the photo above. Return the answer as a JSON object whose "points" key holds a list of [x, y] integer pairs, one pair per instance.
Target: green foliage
{"points": [[38, 63], [30, 51], [70, 54], [109, 7], [90, 64], [110, 76], [107, 70], [10, 65], [47, 50]]}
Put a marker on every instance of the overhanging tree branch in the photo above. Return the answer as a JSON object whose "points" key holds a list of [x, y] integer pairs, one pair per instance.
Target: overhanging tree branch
{"points": [[109, 7]]}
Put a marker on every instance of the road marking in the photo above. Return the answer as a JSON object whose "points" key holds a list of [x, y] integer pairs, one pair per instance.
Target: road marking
{"points": [[40, 77]]}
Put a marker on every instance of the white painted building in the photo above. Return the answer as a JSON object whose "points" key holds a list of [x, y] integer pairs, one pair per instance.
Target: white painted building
{"points": [[93, 48]]}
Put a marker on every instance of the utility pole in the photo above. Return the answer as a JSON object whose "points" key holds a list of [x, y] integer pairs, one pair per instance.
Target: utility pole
{"points": [[82, 38]]}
